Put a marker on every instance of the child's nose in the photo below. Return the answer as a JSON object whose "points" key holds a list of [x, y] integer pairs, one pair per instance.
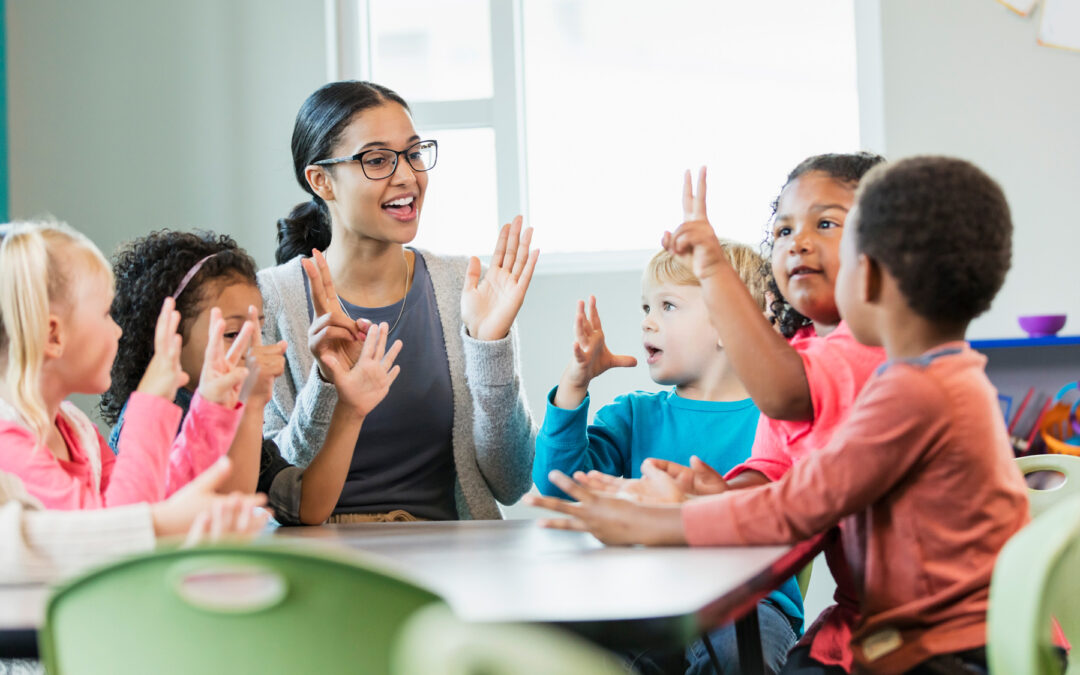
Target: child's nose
{"points": [[802, 241]]}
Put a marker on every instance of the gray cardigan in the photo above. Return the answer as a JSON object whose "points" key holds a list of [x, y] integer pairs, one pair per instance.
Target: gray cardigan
{"points": [[493, 435]]}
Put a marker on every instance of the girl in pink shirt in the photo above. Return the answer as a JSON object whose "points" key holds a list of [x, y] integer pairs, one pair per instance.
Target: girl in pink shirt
{"points": [[58, 339]]}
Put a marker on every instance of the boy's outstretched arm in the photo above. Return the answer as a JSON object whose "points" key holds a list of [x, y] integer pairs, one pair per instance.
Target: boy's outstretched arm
{"points": [[591, 357], [772, 372]]}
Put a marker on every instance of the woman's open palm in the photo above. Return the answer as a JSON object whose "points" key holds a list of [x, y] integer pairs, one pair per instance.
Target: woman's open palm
{"points": [[490, 305], [364, 385]]}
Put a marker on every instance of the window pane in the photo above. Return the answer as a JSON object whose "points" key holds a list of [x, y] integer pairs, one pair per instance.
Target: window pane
{"points": [[619, 102], [432, 50], [459, 212]]}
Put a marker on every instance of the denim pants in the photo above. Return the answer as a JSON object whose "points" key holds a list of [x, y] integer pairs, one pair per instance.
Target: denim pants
{"points": [[777, 637]]}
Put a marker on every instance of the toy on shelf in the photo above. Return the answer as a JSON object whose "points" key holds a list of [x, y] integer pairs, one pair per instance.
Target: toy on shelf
{"points": [[1060, 428]]}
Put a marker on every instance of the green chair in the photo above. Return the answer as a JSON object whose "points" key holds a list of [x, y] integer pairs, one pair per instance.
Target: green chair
{"points": [[1043, 499], [229, 609], [1036, 578], [434, 641], [803, 578]]}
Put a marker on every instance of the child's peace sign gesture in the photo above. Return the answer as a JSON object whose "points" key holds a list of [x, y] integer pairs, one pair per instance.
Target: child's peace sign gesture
{"points": [[222, 376], [163, 374], [694, 243], [332, 331], [489, 305]]}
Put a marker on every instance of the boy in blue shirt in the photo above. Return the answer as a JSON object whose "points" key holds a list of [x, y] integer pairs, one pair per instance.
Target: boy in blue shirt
{"points": [[707, 414]]}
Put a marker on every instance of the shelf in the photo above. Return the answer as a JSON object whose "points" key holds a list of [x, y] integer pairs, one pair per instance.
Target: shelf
{"points": [[1011, 343]]}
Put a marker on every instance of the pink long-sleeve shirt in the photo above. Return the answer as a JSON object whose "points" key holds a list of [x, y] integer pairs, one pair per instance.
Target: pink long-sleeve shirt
{"points": [[923, 477], [151, 464]]}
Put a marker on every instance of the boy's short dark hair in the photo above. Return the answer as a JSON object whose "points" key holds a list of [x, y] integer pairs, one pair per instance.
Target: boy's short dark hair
{"points": [[942, 228]]}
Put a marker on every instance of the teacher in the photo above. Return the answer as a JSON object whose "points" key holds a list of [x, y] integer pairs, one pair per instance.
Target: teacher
{"points": [[454, 434]]}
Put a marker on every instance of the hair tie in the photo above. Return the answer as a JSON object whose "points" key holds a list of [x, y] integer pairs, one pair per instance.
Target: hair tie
{"points": [[190, 275]]}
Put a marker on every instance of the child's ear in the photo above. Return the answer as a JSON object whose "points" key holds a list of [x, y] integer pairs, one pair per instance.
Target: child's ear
{"points": [[870, 279], [319, 179], [54, 338]]}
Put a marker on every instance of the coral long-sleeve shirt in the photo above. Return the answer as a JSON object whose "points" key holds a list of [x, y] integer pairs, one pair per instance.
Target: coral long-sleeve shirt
{"points": [[923, 477]]}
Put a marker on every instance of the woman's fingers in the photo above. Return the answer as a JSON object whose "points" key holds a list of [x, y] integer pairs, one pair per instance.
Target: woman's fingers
{"points": [[511, 246], [472, 274], [500, 245], [522, 253], [395, 349], [530, 267], [367, 352]]}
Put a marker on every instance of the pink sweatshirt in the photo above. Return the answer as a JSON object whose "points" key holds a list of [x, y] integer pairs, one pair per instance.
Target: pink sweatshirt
{"points": [[923, 479], [150, 466]]}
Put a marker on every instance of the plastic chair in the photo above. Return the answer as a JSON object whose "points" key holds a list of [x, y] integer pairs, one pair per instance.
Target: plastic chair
{"points": [[1035, 578], [803, 578], [1043, 499], [436, 641], [229, 609]]}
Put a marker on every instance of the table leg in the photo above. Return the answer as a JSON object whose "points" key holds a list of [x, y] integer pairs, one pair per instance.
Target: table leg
{"points": [[748, 639]]}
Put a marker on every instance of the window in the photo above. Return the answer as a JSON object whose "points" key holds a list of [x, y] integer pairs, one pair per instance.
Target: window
{"points": [[583, 114]]}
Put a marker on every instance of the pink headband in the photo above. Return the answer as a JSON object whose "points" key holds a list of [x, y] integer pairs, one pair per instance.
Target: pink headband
{"points": [[190, 275]]}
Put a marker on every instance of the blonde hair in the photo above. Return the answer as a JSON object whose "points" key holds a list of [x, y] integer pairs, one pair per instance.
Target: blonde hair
{"points": [[37, 262], [664, 268]]}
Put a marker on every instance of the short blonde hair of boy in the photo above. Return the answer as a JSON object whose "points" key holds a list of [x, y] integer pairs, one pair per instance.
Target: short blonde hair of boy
{"points": [[664, 268], [39, 260]]}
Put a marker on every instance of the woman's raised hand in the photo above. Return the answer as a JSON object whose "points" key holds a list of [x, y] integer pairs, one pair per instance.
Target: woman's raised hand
{"points": [[223, 374], [364, 384], [490, 305], [332, 332], [163, 374], [694, 243]]}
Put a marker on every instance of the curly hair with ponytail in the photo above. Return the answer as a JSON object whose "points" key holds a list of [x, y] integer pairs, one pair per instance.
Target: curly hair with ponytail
{"points": [[148, 270], [846, 168]]}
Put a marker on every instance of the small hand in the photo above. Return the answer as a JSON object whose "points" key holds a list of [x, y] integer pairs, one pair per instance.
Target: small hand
{"points": [[591, 354], [366, 383], [697, 479], [265, 363], [198, 510], [489, 306], [332, 331], [610, 519], [163, 374], [694, 243], [654, 486], [222, 375]]}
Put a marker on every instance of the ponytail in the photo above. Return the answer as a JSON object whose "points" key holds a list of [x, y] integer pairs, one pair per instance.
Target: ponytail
{"points": [[306, 227], [31, 279]]}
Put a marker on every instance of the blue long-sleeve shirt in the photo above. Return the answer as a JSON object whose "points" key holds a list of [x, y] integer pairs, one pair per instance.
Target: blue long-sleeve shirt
{"points": [[640, 425]]}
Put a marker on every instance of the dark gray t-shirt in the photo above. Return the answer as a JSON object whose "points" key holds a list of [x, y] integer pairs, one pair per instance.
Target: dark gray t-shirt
{"points": [[404, 456]]}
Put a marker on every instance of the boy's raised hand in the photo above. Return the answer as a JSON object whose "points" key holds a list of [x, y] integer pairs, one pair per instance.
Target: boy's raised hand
{"points": [[332, 332], [364, 385], [612, 520], [265, 362], [222, 375], [490, 305], [591, 357], [694, 243], [163, 374]]}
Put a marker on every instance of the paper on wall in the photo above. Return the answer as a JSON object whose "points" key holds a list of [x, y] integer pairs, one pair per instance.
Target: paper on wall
{"points": [[1021, 7], [1060, 24]]}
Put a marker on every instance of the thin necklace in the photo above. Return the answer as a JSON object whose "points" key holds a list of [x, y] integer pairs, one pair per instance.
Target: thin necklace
{"points": [[402, 310]]}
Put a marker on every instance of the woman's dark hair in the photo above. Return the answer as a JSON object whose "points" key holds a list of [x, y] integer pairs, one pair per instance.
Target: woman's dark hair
{"points": [[322, 119], [846, 168], [148, 270]]}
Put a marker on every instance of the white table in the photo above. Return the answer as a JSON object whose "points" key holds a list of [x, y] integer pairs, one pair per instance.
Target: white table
{"points": [[516, 571]]}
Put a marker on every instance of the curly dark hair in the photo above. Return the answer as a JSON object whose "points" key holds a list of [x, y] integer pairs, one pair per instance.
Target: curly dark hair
{"points": [[844, 167], [148, 270], [941, 227]]}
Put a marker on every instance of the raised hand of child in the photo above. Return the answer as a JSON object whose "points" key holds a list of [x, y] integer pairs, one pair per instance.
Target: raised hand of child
{"points": [[591, 357], [164, 375], [490, 305], [265, 362], [365, 384], [694, 243], [611, 519], [223, 374], [332, 332], [697, 479]]}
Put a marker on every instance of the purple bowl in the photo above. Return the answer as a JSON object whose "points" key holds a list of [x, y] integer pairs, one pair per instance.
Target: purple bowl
{"points": [[1042, 325]]}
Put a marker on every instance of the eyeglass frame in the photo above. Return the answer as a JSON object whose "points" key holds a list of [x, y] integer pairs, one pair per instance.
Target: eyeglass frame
{"points": [[359, 157]]}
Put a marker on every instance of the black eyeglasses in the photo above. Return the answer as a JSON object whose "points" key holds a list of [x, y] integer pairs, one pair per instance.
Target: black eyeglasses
{"points": [[382, 163]]}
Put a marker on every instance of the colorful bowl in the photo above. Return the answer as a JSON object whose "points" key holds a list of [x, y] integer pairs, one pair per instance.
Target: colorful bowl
{"points": [[1042, 325]]}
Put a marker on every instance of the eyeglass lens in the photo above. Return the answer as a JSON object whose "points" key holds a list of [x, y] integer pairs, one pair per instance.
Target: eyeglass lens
{"points": [[382, 163]]}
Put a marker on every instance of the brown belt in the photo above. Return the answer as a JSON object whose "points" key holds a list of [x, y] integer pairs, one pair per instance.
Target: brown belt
{"points": [[395, 516]]}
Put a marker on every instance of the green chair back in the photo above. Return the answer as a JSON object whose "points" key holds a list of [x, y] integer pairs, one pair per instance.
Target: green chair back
{"points": [[435, 641], [1043, 499], [1036, 578], [229, 609], [803, 578]]}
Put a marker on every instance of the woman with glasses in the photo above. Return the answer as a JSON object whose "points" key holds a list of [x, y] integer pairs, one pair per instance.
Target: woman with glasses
{"points": [[454, 434]]}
